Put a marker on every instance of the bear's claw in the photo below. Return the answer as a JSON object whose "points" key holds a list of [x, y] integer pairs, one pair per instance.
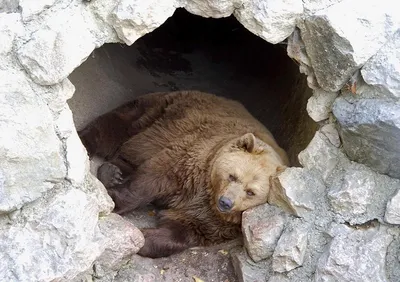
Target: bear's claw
{"points": [[110, 175]]}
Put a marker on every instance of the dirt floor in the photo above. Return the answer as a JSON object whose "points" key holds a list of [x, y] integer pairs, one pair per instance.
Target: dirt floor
{"points": [[190, 52]]}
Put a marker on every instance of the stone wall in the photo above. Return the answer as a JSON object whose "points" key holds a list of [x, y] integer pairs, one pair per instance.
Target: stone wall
{"points": [[342, 205]]}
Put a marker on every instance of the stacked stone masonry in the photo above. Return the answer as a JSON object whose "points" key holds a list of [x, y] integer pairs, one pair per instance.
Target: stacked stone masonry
{"points": [[339, 214]]}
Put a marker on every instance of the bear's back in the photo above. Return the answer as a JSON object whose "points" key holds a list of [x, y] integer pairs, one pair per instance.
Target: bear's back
{"points": [[187, 122]]}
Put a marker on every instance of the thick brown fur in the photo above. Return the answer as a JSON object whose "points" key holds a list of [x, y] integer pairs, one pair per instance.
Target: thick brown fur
{"points": [[171, 149]]}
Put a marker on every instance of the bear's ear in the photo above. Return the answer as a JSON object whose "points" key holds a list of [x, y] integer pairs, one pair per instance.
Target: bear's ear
{"points": [[247, 142]]}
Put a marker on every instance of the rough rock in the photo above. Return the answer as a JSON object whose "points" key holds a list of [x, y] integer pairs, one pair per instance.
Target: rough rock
{"points": [[272, 20], [8, 6], [355, 255], [342, 37], [208, 264], [261, 227], [32, 8], [124, 239], [291, 247], [321, 155], [382, 71], [58, 241], [29, 170], [278, 278], [10, 27], [296, 51], [55, 95], [52, 53], [320, 104], [248, 271], [213, 8], [311, 6], [76, 155], [296, 190], [96, 189], [392, 214], [331, 133], [370, 132], [358, 194], [133, 19]]}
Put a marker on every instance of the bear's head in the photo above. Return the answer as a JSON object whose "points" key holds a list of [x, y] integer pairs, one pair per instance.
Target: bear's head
{"points": [[241, 173]]}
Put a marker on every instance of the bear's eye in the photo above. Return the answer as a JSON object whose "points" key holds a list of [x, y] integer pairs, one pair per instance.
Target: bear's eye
{"points": [[250, 193], [232, 177]]}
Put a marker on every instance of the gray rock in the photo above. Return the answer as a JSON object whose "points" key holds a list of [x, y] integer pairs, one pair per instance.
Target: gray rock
{"points": [[52, 54], [93, 187], [8, 6], [32, 8], [355, 255], [123, 240], [261, 227], [331, 133], [248, 271], [58, 241], [370, 132], [10, 27], [296, 190], [272, 20], [321, 155], [392, 214], [296, 51], [358, 194], [133, 19], [311, 6], [278, 278], [342, 37], [291, 248], [382, 71], [320, 104], [30, 152], [213, 9]]}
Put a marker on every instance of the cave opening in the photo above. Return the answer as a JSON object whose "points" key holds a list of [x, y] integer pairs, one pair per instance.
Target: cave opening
{"points": [[189, 52]]}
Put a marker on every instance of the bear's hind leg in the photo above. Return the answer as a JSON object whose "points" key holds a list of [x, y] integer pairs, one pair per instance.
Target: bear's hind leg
{"points": [[168, 239]]}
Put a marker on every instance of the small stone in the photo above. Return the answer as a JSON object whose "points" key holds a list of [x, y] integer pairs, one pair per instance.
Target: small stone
{"points": [[296, 190], [341, 38], [133, 19], [330, 132], [382, 71], [392, 214], [291, 248], [248, 271], [355, 255], [123, 240], [321, 155], [359, 194], [370, 132], [272, 20], [262, 226], [320, 104], [60, 236]]}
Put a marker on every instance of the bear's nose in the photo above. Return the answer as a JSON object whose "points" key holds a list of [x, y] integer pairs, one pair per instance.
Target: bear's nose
{"points": [[225, 204]]}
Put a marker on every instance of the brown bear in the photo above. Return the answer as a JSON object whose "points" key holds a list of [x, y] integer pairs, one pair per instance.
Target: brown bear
{"points": [[202, 159]]}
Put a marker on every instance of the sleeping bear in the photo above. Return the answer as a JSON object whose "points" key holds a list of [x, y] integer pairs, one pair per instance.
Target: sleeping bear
{"points": [[201, 159]]}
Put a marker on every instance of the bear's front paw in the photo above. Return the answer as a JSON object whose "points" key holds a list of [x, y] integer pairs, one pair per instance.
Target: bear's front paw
{"points": [[110, 175]]}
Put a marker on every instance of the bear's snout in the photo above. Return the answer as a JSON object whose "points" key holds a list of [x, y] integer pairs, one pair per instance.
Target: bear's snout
{"points": [[225, 204]]}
